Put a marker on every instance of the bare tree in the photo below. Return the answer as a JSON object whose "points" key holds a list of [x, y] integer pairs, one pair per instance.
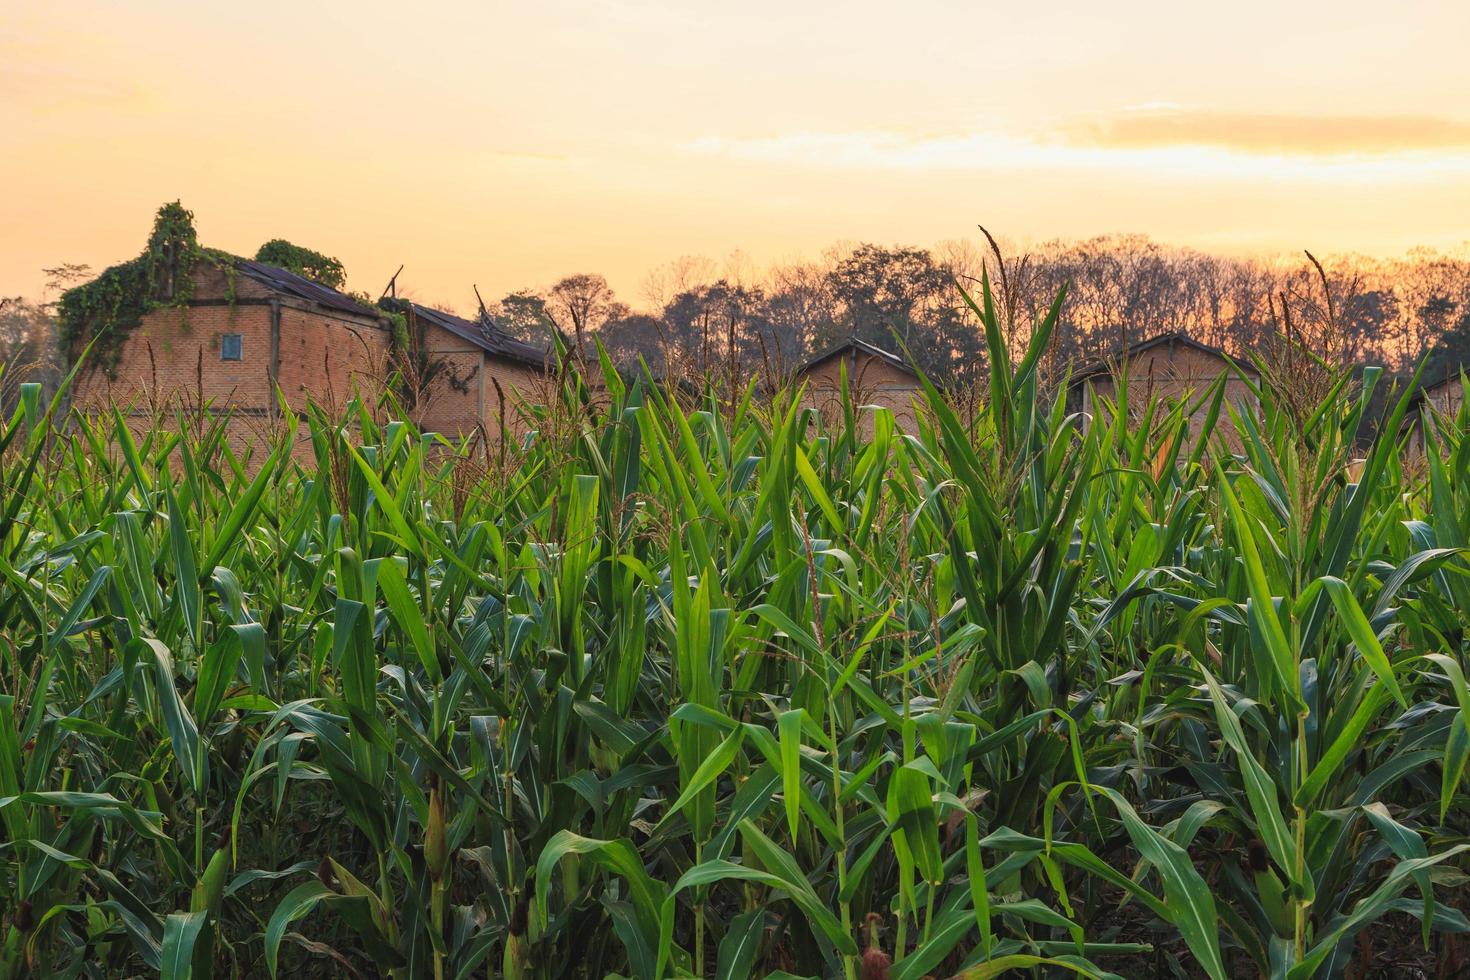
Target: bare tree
{"points": [[581, 303], [687, 272], [800, 309], [1122, 289]]}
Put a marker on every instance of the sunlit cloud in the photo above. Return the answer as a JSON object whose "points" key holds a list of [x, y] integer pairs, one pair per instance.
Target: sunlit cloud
{"points": [[575, 144], [1162, 124], [1064, 151]]}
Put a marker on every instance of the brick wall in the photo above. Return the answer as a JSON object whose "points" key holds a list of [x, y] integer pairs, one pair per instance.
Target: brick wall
{"points": [[1172, 374], [173, 358], [175, 355], [871, 380], [462, 395], [521, 386], [326, 357], [451, 403]]}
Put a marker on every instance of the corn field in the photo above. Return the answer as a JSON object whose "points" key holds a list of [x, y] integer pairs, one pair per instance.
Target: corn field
{"points": [[682, 686]]}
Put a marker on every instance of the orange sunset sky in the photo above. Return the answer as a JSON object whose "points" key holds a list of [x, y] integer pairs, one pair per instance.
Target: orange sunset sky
{"points": [[509, 144]]}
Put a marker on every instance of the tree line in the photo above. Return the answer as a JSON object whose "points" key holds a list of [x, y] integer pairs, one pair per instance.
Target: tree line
{"points": [[697, 317]]}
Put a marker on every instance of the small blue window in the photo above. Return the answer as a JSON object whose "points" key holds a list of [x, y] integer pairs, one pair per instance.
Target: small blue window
{"points": [[231, 347]]}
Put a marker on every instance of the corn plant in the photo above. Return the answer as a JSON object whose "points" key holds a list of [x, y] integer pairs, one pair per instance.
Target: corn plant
{"points": [[693, 683]]}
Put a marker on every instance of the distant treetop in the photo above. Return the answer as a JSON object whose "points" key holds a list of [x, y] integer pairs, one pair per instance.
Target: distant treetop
{"points": [[305, 262], [106, 308]]}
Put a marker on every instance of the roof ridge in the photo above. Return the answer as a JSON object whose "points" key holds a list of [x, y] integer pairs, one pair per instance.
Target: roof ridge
{"points": [[853, 341], [283, 280], [1122, 352], [488, 336]]}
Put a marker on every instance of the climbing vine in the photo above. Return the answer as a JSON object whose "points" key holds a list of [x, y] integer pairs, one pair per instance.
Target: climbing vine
{"points": [[415, 369], [305, 262], [114, 303], [398, 329], [104, 311]]}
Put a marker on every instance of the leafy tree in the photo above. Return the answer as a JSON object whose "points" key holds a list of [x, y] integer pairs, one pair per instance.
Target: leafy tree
{"points": [[627, 338], [1436, 314], [305, 262], [800, 310], [582, 303], [523, 315], [885, 291], [109, 306], [1366, 318], [1450, 353], [27, 348], [715, 327]]}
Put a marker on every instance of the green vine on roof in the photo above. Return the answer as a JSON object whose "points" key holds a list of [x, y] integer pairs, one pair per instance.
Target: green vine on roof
{"points": [[305, 262], [114, 303], [416, 369], [398, 330]]}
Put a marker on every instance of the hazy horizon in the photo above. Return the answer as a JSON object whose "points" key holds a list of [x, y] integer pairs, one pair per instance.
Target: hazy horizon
{"points": [[509, 145]]}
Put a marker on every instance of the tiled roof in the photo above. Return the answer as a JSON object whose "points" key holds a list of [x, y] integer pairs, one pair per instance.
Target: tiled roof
{"points": [[282, 281], [1105, 365], [859, 347], [483, 334]]}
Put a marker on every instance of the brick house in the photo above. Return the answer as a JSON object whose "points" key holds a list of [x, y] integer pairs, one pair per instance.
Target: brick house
{"points": [[246, 328], [874, 377], [475, 374], [1171, 367]]}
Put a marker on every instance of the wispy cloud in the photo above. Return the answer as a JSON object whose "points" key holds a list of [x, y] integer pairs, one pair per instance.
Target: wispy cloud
{"points": [[1166, 140], [1162, 124]]}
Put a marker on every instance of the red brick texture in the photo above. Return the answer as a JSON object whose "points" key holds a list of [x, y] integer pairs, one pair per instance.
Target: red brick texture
{"points": [[173, 357], [871, 381], [462, 395], [315, 355]]}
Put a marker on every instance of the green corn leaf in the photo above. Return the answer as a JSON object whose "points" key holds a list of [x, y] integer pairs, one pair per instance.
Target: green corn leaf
{"points": [[979, 892], [789, 723], [794, 887], [1459, 742], [1367, 910], [709, 770], [1347, 740], [409, 617], [243, 509], [181, 930], [1356, 624], [186, 570], [1025, 961], [740, 945], [1260, 790], [916, 823], [188, 750], [618, 856], [1262, 603], [1189, 900], [297, 904], [217, 666]]}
